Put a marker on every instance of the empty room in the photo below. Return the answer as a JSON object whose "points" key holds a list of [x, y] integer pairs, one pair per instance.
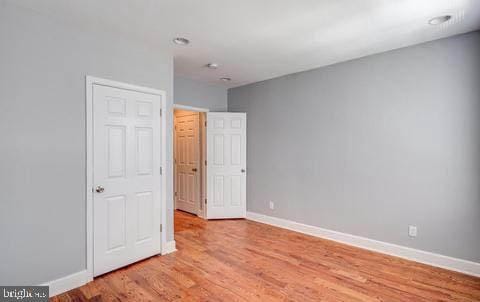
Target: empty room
{"points": [[268, 150]]}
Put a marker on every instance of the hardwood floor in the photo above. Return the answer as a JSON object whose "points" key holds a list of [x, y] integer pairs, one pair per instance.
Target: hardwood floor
{"points": [[240, 260]]}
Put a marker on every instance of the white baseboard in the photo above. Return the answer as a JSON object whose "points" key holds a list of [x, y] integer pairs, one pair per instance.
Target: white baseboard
{"points": [[170, 247], [450, 263], [67, 283]]}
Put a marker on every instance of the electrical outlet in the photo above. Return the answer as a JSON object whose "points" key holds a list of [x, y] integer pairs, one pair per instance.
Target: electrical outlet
{"points": [[272, 205], [412, 231]]}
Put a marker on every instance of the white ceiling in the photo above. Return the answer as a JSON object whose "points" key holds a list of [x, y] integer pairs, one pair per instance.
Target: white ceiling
{"points": [[255, 40]]}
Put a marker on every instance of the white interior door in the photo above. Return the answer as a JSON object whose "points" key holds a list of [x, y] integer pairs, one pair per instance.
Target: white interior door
{"points": [[226, 165], [127, 178], [187, 162]]}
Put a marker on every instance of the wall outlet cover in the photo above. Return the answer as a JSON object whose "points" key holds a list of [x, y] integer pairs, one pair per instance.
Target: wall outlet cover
{"points": [[412, 231]]}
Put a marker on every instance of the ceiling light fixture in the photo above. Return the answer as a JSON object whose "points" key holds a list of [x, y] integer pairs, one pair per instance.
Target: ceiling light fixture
{"points": [[226, 79], [439, 20], [181, 41], [212, 65]]}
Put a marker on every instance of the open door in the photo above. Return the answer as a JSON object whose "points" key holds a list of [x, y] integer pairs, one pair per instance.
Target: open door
{"points": [[187, 162], [226, 165]]}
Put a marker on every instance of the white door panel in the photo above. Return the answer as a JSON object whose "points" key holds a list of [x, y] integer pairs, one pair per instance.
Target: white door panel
{"points": [[127, 165], [226, 171], [187, 165]]}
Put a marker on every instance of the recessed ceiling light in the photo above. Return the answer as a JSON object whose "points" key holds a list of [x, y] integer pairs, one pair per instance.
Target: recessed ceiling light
{"points": [[181, 41], [439, 20], [226, 79], [212, 65]]}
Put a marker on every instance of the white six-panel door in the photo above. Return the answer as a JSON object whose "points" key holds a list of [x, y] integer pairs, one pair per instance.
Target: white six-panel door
{"points": [[127, 180], [187, 162], [226, 165]]}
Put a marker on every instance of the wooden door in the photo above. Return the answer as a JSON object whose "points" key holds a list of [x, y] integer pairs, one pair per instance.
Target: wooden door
{"points": [[226, 165], [187, 162]]}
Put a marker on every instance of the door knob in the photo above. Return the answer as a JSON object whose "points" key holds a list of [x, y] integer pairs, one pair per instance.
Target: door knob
{"points": [[99, 189], [194, 169], [243, 170]]}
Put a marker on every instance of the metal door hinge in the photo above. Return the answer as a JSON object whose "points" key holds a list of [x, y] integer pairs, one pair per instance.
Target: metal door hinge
{"points": [[205, 162], [161, 228], [160, 112], [161, 171], [205, 123], [176, 193], [205, 201]]}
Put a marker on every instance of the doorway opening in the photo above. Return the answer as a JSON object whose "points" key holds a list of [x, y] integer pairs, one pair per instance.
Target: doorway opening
{"points": [[209, 163], [189, 160]]}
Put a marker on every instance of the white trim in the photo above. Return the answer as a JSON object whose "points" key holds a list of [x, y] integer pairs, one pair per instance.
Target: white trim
{"points": [[89, 82], [67, 283], [450, 263], [190, 108], [89, 173], [121, 85], [203, 153], [169, 247]]}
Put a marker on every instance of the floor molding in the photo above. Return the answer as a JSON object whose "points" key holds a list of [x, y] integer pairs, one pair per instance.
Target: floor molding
{"points": [[67, 283], [170, 247], [446, 262]]}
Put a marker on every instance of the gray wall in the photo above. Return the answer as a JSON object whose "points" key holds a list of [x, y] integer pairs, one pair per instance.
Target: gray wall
{"points": [[372, 145], [197, 94], [42, 125]]}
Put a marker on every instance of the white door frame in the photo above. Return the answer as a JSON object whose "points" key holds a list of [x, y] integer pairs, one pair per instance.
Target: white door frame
{"points": [[190, 108], [90, 81]]}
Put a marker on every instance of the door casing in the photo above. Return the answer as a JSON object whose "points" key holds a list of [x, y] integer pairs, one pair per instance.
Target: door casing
{"points": [[89, 82]]}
